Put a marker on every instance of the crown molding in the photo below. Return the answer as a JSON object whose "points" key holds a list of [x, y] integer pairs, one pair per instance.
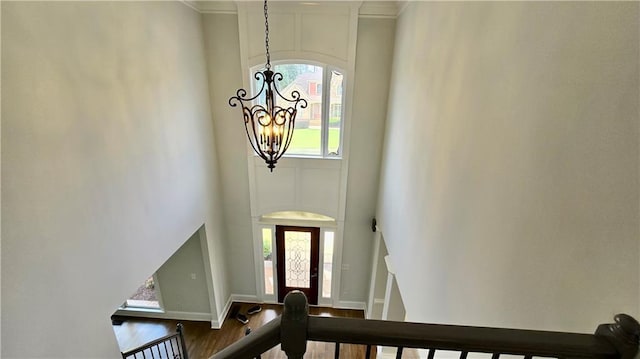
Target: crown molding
{"points": [[368, 9], [381, 9], [214, 7]]}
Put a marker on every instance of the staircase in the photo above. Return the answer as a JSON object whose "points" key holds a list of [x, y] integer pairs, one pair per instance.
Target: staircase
{"points": [[295, 327]]}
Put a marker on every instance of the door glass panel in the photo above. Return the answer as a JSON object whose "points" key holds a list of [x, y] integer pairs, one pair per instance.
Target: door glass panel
{"points": [[297, 258]]}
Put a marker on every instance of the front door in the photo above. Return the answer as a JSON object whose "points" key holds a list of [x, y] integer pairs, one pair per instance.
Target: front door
{"points": [[298, 256]]}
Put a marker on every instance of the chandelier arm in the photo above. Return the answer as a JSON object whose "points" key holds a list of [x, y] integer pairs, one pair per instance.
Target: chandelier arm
{"points": [[242, 93], [270, 140], [289, 130], [281, 112], [254, 143], [257, 109], [295, 95]]}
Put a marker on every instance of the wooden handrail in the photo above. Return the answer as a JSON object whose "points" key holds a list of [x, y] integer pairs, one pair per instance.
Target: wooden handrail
{"points": [[254, 344], [459, 338], [295, 327]]}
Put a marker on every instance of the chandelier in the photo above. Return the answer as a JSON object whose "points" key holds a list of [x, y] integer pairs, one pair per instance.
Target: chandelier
{"points": [[269, 124]]}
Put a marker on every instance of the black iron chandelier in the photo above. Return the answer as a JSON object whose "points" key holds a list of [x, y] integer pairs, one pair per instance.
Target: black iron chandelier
{"points": [[269, 125]]}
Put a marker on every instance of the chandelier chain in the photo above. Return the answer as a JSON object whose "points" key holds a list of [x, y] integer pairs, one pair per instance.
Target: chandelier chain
{"points": [[266, 35]]}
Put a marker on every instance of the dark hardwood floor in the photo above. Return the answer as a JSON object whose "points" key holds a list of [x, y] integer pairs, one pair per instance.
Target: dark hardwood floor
{"points": [[203, 342]]}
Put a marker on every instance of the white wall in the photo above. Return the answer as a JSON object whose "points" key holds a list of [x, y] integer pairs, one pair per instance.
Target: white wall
{"points": [[108, 165], [314, 185], [225, 77], [182, 280], [323, 33], [374, 54], [509, 187]]}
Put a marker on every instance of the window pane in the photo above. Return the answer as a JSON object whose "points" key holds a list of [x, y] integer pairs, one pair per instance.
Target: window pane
{"points": [[335, 113], [267, 254], [307, 80], [327, 263], [145, 296]]}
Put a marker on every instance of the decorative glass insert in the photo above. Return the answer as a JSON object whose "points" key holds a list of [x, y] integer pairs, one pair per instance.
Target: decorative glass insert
{"points": [[297, 258], [267, 255], [327, 264]]}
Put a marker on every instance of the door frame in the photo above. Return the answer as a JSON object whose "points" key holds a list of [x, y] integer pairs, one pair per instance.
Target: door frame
{"points": [[314, 281], [258, 223]]}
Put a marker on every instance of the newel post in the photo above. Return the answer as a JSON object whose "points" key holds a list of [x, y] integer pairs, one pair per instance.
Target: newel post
{"points": [[624, 334], [293, 327], [180, 330]]}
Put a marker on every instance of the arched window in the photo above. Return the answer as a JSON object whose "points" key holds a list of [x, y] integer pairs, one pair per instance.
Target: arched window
{"points": [[319, 127]]}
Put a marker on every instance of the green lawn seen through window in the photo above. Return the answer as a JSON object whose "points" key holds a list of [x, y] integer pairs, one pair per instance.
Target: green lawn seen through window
{"points": [[307, 140]]}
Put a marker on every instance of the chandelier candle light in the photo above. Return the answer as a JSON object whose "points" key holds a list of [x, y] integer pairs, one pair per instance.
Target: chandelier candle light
{"points": [[269, 125]]}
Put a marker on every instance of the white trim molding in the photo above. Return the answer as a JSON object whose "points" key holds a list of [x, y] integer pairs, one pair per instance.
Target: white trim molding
{"points": [[381, 9], [238, 298], [346, 304], [217, 324], [213, 7], [174, 315], [245, 298], [367, 9]]}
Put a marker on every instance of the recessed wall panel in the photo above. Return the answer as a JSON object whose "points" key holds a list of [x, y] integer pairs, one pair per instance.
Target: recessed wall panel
{"points": [[319, 190], [325, 34], [281, 32], [275, 188]]}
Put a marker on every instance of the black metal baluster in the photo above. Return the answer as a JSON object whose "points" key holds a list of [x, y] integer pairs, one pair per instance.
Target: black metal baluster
{"points": [[495, 356], [151, 350], [173, 350], [336, 355], [463, 355], [368, 354], [144, 356], [528, 357], [165, 348], [399, 353], [432, 353]]}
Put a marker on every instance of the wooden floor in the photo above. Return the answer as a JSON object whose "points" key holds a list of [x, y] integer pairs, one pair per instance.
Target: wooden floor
{"points": [[203, 342]]}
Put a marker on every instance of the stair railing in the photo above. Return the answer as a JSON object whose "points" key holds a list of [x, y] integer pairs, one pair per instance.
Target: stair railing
{"points": [[171, 346], [295, 327]]}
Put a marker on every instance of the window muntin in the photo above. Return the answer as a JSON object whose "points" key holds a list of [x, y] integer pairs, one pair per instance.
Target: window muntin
{"points": [[318, 128]]}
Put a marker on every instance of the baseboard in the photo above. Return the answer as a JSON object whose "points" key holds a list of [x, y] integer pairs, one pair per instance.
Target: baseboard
{"points": [[243, 298], [217, 324], [240, 298], [174, 315], [345, 304]]}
